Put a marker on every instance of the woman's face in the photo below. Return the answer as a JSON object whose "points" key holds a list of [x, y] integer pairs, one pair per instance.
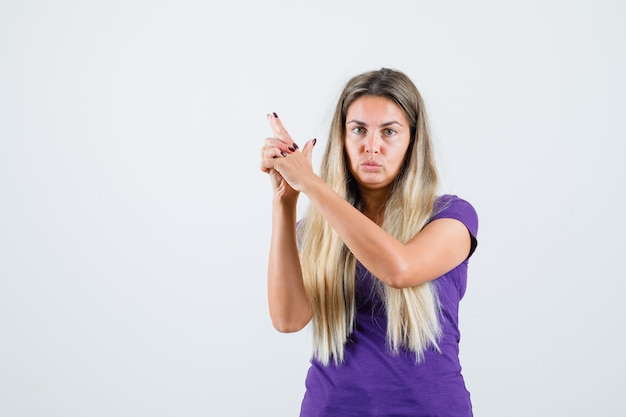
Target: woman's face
{"points": [[377, 138]]}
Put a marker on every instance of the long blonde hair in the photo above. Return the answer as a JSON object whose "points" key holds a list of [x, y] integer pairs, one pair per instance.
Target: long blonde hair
{"points": [[328, 265]]}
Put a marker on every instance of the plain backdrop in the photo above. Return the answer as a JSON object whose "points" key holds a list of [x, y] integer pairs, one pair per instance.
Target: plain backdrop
{"points": [[134, 219]]}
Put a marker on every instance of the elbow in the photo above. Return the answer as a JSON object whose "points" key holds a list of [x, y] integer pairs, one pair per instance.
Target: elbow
{"points": [[396, 281], [403, 277], [287, 326]]}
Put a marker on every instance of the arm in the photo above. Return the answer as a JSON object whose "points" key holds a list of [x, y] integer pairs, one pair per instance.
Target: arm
{"points": [[289, 306], [437, 249]]}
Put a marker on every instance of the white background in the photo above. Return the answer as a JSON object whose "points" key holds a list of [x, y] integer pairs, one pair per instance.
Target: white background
{"points": [[134, 221]]}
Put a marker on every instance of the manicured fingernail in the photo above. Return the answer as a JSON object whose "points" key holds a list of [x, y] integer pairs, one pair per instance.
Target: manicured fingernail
{"points": [[275, 115], [295, 146], [283, 153], [314, 141], [291, 149]]}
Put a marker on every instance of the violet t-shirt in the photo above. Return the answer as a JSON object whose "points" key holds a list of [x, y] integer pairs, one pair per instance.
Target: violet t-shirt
{"points": [[373, 381]]}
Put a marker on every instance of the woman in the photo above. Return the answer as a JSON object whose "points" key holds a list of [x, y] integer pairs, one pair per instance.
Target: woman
{"points": [[379, 261]]}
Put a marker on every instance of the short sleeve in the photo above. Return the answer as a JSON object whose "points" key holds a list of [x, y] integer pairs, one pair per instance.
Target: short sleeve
{"points": [[452, 207]]}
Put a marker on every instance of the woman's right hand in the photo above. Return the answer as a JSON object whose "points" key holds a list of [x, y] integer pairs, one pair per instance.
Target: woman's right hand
{"points": [[289, 167], [278, 146]]}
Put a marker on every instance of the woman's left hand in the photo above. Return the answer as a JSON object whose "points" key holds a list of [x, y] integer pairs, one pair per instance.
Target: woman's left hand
{"points": [[282, 155]]}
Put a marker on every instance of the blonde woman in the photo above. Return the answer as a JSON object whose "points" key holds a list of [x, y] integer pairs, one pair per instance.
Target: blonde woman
{"points": [[378, 263]]}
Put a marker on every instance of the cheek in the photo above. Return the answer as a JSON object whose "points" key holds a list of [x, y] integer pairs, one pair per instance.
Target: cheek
{"points": [[351, 154], [401, 155]]}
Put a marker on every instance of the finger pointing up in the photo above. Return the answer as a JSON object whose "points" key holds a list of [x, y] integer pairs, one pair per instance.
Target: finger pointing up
{"points": [[279, 131]]}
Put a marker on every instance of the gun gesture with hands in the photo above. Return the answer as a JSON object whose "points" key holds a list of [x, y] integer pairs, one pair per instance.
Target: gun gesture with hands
{"points": [[281, 158]]}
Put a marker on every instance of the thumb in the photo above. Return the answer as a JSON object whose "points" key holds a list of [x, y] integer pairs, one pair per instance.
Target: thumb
{"points": [[307, 150]]}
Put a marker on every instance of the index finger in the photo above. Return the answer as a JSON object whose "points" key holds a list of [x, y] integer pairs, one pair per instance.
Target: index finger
{"points": [[278, 130]]}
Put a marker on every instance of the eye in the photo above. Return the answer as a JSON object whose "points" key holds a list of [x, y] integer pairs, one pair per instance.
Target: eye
{"points": [[389, 132], [359, 130]]}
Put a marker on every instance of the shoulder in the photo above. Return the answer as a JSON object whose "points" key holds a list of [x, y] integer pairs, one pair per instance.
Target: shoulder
{"points": [[454, 207]]}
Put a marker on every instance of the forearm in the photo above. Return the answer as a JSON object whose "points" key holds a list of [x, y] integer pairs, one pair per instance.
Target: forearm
{"points": [[288, 304], [382, 254]]}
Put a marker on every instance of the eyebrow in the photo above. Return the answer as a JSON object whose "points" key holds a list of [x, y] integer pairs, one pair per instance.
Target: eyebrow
{"points": [[383, 125]]}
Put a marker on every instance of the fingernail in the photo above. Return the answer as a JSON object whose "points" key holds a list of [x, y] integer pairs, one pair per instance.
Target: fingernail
{"points": [[291, 149], [275, 115], [283, 153], [314, 141], [295, 146]]}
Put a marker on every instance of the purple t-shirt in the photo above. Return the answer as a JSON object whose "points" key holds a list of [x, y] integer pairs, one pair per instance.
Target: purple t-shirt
{"points": [[372, 381]]}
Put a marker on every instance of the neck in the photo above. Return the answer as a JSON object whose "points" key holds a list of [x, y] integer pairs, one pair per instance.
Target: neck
{"points": [[374, 204]]}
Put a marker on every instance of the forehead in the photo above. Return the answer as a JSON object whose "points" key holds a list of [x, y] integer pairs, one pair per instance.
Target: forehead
{"points": [[375, 110]]}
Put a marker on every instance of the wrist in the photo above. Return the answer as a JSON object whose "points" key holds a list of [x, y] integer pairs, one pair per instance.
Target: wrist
{"points": [[312, 185], [285, 201]]}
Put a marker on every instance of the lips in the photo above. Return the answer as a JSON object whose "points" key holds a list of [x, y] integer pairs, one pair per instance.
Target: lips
{"points": [[370, 165]]}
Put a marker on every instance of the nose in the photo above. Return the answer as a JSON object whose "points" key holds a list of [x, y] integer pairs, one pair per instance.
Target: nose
{"points": [[372, 144]]}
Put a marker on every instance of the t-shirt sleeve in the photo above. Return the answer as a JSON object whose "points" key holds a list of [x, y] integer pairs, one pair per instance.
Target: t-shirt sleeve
{"points": [[452, 207]]}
